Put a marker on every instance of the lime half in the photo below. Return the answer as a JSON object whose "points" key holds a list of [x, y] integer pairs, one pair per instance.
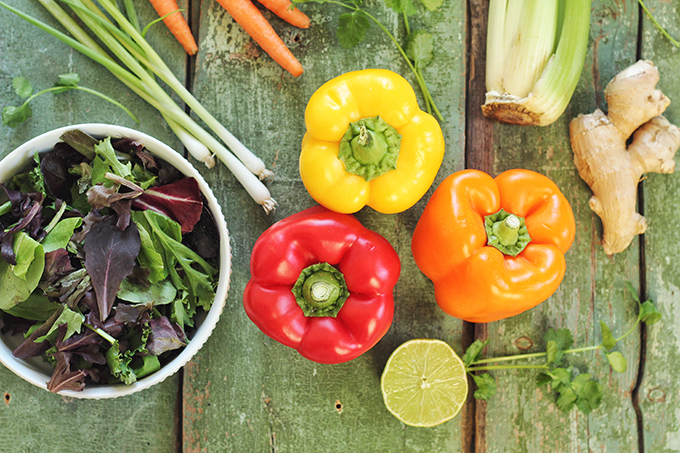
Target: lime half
{"points": [[424, 383]]}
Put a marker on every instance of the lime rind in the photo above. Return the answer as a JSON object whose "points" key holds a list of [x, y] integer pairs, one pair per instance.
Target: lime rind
{"points": [[424, 383]]}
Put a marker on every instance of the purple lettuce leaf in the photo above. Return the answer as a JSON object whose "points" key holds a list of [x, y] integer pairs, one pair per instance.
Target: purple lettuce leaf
{"points": [[110, 257], [57, 265], [164, 336], [85, 344], [29, 348], [204, 239], [65, 379], [180, 200], [55, 166]]}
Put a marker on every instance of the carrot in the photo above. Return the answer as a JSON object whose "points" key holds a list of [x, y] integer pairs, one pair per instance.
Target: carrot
{"points": [[176, 23], [282, 8], [246, 14]]}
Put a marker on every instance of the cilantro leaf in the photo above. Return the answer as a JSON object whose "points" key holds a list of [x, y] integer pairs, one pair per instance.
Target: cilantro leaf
{"points": [[563, 340], [649, 314], [432, 5], [68, 80], [420, 48], [632, 291], [551, 351], [566, 399], [486, 386], [588, 392], [402, 6], [608, 340], [617, 361], [12, 116], [474, 352], [22, 87], [352, 28]]}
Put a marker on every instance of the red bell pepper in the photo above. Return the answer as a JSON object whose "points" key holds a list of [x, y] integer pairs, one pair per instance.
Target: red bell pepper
{"points": [[322, 284]]}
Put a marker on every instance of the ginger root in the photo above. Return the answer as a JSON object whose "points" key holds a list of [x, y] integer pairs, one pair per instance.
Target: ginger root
{"points": [[610, 169]]}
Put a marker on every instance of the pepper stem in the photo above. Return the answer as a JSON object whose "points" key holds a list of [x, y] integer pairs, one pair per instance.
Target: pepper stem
{"points": [[320, 290], [506, 232], [370, 148]]}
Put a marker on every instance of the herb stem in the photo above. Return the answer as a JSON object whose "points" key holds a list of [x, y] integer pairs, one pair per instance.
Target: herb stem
{"points": [[419, 78], [102, 333], [658, 25], [406, 24], [533, 355], [470, 369], [56, 218]]}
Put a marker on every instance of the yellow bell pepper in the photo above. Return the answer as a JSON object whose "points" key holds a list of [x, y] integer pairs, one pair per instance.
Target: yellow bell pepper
{"points": [[368, 143]]}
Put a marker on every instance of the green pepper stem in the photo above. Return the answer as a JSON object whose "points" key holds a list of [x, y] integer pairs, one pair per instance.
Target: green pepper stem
{"points": [[507, 232], [370, 148], [320, 290]]}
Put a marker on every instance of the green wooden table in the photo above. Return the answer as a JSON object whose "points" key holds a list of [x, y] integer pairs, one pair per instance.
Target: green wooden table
{"points": [[246, 393]]}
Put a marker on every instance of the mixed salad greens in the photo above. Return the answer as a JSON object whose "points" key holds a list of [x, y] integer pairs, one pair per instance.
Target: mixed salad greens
{"points": [[108, 254]]}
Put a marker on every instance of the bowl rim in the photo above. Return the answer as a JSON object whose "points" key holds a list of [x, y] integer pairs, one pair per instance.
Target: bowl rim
{"points": [[22, 154]]}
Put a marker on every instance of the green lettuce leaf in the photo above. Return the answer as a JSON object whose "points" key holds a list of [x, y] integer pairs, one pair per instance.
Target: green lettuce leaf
{"points": [[19, 281]]}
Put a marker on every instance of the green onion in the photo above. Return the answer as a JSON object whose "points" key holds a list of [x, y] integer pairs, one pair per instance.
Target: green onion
{"points": [[535, 53], [138, 64]]}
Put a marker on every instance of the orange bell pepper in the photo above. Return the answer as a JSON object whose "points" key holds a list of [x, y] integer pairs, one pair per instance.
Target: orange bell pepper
{"points": [[494, 247]]}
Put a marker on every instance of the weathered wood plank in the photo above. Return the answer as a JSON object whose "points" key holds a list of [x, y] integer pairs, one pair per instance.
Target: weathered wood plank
{"points": [[660, 388], [521, 417], [245, 392], [30, 417]]}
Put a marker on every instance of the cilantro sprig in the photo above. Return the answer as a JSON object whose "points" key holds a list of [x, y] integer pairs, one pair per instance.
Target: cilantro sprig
{"points": [[573, 389], [418, 51], [12, 115]]}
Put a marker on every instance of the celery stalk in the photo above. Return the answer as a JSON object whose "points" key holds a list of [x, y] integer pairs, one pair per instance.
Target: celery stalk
{"points": [[535, 54]]}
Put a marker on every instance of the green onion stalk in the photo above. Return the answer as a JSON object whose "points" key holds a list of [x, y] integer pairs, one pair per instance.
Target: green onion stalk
{"points": [[140, 67], [535, 54]]}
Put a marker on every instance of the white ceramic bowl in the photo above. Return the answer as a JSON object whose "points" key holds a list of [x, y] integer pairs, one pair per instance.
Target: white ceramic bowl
{"points": [[35, 370]]}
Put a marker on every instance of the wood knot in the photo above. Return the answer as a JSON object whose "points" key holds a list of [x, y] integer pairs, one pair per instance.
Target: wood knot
{"points": [[524, 343], [656, 395]]}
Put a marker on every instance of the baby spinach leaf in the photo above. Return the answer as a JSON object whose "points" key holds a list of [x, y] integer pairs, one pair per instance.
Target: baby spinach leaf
{"points": [[110, 255]]}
